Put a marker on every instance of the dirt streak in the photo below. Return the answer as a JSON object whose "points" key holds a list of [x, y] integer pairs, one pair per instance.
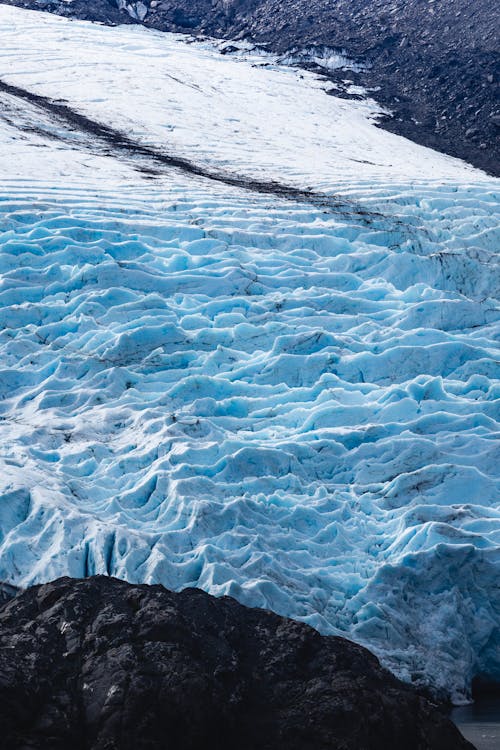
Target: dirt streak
{"points": [[122, 144]]}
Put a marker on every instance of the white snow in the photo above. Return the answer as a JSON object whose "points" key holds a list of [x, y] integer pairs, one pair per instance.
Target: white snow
{"points": [[268, 122], [205, 386]]}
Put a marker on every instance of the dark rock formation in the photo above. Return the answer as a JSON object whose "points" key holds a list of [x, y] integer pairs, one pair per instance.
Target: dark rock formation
{"points": [[434, 64], [103, 11], [102, 664], [7, 592]]}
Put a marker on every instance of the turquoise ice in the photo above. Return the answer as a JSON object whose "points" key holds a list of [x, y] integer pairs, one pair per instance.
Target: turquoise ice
{"points": [[294, 406]]}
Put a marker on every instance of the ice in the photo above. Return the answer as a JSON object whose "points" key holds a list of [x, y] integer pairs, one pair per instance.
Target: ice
{"points": [[201, 385], [260, 399]]}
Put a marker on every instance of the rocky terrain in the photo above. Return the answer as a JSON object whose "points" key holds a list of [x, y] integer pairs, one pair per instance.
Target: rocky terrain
{"points": [[434, 65], [102, 664]]}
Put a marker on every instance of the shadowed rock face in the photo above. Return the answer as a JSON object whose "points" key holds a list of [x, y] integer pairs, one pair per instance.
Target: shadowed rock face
{"points": [[102, 664], [434, 64]]}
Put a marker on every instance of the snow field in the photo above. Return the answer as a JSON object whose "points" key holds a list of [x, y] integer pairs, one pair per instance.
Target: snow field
{"points": [[236, 113]]}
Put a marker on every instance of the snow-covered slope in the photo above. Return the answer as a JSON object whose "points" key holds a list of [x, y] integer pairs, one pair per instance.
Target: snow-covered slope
{"points": [[247, 115], [290, 401]]}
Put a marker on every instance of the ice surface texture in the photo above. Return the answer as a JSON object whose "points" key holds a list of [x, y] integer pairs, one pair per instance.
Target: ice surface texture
{"points": [[293, 407]]}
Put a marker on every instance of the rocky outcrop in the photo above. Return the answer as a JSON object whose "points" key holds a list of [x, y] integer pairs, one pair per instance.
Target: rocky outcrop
{"points": [[7, 592], [102, 664]]}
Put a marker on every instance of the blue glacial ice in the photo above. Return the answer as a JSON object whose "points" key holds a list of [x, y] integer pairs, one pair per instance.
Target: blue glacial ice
{"points": [[293, 406]]}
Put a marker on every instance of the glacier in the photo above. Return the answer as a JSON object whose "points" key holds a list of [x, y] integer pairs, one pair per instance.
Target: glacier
{"points": [[290, 403]]}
